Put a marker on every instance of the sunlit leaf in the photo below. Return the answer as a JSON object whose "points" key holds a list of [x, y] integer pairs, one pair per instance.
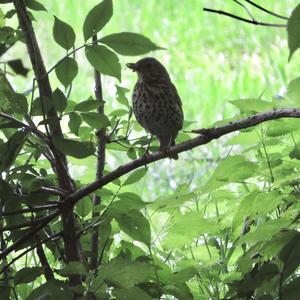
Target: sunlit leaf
{"points": [[135, 176], [135, 225]]}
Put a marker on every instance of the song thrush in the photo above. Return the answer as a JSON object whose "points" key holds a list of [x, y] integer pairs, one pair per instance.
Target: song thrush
{"points": [[156, 103]]}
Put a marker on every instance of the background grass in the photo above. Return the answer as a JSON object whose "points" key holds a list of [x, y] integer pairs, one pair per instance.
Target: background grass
{"points": [[212, 59]]}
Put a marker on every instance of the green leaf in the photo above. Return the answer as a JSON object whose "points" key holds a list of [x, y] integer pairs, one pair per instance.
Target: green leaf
{"points": [[295, 153], [264, 232], [96, 120], [291, 290], [135, 176], [18, 67], [88, 105], [104, 60], [293, 28], [63, 34], [135, 225], [293, 91], [66, 71], [35, 5], [84, 206], [59, 100], [27, 275], [252, 105], [18, 102], [166, 203], [187, 227], [74, 122], [281, 127], [52, 289], [118, 113], [129, 43], [232, 169], [121, 95], [133, 293], [97, 18], [122, 273], [74, 148], [12, 148], [40, 106], [73, 267]]}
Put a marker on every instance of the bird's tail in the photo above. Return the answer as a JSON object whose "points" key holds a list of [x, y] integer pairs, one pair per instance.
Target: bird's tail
{"points": [[165, 143]]}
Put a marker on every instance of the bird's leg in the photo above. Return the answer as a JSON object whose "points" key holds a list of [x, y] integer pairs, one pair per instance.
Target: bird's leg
{"points": [[148, 146]]}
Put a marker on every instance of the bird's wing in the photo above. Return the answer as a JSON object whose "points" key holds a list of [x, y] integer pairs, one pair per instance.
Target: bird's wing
{"points": [[177, 98]]}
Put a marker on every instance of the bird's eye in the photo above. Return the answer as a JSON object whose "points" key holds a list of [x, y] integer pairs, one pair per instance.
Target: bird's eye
{"points": [[148, 65]]}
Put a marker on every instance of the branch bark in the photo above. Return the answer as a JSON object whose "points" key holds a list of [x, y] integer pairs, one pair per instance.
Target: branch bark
{"points": [[101, 135], [60, 165], [205, 136]]}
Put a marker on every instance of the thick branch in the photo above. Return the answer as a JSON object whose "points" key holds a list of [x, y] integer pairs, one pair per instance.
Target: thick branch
{"points": [[101, 134], [44, 262], [254, 22], [206, 135], [60, 165]]}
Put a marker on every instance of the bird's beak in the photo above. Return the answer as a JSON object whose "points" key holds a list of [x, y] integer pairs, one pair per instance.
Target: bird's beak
{"points": [[132, 66]]}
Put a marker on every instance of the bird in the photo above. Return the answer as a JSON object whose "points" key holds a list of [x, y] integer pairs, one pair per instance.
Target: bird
{"points": [[156, 104]]}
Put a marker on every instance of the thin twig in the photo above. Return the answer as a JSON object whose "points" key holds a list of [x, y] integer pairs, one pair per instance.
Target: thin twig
{"points": [[54, 236], [29, 210], [221, 12], [245, 8], [266, 10]]}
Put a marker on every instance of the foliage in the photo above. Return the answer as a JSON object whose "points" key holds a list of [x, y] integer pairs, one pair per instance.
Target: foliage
{"points": [[234, 237]]}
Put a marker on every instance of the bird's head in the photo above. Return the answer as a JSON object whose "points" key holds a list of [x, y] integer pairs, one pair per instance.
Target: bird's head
{"points": [[150, 70]]}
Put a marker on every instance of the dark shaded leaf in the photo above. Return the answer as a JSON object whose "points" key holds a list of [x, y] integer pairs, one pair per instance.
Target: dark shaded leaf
{"points": [[88, 105], [104, 60], [74, 148], [18, 67], [35, 5], [27, 275], [63, 34], [129, 43], [97, 17], [74, 122], [96, 120], [293, 28], [59, 100], [66, 71]]}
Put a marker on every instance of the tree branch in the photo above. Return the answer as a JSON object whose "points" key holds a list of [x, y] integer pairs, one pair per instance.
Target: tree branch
{"points": [[34, 130], [54, 236], [60, 165], [29, 210], [254, 22], [44, 262], [101, 135], [206, 136]]}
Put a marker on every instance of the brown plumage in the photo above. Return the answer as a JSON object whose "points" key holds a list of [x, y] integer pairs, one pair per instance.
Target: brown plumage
{"points": [[156, 104]]}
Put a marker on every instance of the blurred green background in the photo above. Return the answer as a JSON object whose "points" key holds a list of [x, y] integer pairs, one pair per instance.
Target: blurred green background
{"points": [[212, 59]]}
